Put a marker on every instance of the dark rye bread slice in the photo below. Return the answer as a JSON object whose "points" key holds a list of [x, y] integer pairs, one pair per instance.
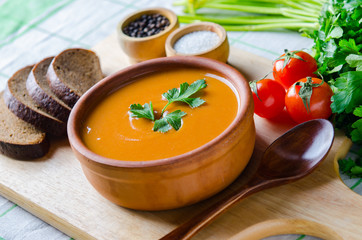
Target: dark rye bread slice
{"points": [[72, 73], [19, 102], [38, 88], [19, 139]]}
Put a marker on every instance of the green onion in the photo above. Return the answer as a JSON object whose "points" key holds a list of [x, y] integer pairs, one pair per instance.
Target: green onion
{"points": [[254, 15]]}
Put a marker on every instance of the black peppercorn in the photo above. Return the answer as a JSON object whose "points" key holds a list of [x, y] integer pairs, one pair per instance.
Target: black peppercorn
{"points": [[146, 25]]}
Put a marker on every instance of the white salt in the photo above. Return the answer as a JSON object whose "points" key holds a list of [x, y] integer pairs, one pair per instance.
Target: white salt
{"points": [[196, 42]]}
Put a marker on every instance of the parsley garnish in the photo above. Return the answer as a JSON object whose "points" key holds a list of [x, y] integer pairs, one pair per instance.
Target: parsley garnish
{"points": [[145, 111], [183, 94], [173, 119]]}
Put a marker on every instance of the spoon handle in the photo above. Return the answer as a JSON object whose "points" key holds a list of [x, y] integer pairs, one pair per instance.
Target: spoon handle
{"points": [[196, 223]]}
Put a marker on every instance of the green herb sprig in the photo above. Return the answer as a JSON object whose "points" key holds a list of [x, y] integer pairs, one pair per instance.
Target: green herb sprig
{"points": [[183, 94], [145, 111], [350, 167], [173, 119]]}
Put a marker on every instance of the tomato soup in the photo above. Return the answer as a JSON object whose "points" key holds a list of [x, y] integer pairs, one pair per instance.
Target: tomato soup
{"points": [[110, 131]]}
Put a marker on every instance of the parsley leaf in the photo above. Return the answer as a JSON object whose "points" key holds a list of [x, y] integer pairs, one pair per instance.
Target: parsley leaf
{"points": [[356, 133], [172, 119], [337, 32], [161, 125], [183, 94], [350, 167], [349, 46], [345, 165], [348, 92], [355, 61], [145, 111]]}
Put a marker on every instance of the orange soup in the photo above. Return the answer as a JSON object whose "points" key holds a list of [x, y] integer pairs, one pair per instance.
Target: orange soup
{"points": [[110, 130]]}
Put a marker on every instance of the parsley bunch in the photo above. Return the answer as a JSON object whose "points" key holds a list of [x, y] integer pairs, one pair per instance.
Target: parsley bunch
{"points": [[338, 45], [173, 119]]}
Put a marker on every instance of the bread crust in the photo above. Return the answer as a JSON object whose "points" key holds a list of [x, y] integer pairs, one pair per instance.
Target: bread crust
{"points": [[25, 151], [52, 105], [60, 86], [24, 112], [60, 89]]}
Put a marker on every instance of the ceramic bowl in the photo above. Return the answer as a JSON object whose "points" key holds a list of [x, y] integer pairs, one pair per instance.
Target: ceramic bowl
{"points": [[141, 49], [177, 181], [219, 52]]}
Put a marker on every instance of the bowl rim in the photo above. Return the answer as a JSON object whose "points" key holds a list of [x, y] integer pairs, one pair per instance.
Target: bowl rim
{"points": [[171, 38], [163, 11], [244, 97]]}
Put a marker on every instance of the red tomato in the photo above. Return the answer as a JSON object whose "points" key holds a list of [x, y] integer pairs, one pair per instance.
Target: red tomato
{"points": [[293, 66], [269, 97], [319, 103]]}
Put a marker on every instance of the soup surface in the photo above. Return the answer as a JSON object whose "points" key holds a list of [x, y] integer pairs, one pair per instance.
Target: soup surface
{"points": [[110, 131]]}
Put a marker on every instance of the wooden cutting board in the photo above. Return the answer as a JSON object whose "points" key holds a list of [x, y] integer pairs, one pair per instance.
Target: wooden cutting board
{"points": [[55, 189]]}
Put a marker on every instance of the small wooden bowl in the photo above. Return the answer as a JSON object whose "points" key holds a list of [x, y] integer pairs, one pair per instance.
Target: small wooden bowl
{"points": [[140, 49], [219, 52], [176, 181]]}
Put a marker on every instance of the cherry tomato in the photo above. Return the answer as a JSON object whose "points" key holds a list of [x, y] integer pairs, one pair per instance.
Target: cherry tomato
{"points": [[292, 66], [319, 104], [268, 96]]}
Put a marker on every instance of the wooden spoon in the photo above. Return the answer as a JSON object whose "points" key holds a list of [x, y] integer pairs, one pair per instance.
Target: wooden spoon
{"points": [[292, 156]]}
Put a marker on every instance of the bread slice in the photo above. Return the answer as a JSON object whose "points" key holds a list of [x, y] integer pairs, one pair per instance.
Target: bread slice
{"points": [[22, 105], [72, 73], [19, 139], [39, 90]]}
